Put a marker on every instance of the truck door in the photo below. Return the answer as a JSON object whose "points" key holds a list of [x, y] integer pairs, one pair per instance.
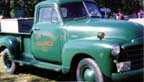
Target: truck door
{"points": [[46, 35]]}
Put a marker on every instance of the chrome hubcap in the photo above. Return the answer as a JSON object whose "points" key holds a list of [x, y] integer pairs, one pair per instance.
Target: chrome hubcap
{"points": [[87, 74]]}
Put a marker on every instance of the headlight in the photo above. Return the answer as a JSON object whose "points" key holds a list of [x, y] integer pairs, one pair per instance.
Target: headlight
{"points": [[116, 51]]}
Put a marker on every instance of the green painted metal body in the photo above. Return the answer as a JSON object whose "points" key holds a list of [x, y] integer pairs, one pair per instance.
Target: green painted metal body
{"points": [[55, 45]]}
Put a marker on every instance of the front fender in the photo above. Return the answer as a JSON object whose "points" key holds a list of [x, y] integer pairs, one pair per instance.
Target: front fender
{"points": [[99, 50], [12, 44]]}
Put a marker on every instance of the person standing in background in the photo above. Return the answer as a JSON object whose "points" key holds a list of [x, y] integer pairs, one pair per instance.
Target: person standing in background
{"points": [[120, 15], [139, 14]]}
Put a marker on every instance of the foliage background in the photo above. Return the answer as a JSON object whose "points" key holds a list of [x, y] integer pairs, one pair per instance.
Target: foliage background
{"points": [[9, 7]]}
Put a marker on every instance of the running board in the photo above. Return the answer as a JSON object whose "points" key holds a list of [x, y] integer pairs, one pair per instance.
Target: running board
{"points": [[40, 64], [33, 62]]}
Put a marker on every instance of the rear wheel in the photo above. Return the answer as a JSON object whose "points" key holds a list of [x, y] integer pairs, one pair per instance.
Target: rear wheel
{"points": [[9, 65], [88, 70]]}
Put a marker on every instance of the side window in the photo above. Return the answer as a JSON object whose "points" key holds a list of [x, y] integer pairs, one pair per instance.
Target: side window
{"points": [[64, 12], [54, 16], [45, 15]]}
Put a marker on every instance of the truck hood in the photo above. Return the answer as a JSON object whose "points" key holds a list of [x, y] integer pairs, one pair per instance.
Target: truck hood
{"points": [[84, 28]]}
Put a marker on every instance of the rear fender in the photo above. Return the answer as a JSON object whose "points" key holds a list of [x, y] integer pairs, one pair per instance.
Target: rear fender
{"points": [[12, 44]]}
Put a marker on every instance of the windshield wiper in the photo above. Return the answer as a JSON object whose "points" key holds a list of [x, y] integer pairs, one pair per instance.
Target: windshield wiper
{"points": [[95, 16]]}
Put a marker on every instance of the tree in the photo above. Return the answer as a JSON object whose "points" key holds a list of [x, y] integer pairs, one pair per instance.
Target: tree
{"points": [[131, 6], [127, 6], [8, 8], [27, 6], [5, 7]]}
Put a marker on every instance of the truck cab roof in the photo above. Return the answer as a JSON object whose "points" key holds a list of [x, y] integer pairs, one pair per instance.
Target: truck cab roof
{"points": [[58, 1]]}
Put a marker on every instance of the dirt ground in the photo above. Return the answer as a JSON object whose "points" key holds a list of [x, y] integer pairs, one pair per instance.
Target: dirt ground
{"points": [[31, 74]]}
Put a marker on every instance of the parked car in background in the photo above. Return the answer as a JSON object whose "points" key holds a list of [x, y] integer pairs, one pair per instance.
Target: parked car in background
{"points": [[137, 20], [106, 12], [134, 18]]}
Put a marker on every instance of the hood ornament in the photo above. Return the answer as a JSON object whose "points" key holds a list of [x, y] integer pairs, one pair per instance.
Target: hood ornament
{"points": [[101, 35]]}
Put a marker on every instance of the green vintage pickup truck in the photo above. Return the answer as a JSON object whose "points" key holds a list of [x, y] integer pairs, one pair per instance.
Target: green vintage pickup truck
{"points": [[66, 36]]}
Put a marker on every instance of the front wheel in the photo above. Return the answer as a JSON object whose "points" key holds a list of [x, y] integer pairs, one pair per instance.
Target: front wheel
{"points": [[89, 71], [9, 65]]}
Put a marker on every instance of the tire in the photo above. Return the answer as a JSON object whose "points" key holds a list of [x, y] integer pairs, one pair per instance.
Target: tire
{"points": [[88, 71], [9, 65]]}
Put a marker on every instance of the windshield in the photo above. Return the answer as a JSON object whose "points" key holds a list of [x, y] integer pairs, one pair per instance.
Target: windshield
{"points": [[93, 9], [73, 10]]}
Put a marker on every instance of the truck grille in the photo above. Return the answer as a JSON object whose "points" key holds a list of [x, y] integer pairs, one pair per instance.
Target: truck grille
{"points": [[136, 56]]}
